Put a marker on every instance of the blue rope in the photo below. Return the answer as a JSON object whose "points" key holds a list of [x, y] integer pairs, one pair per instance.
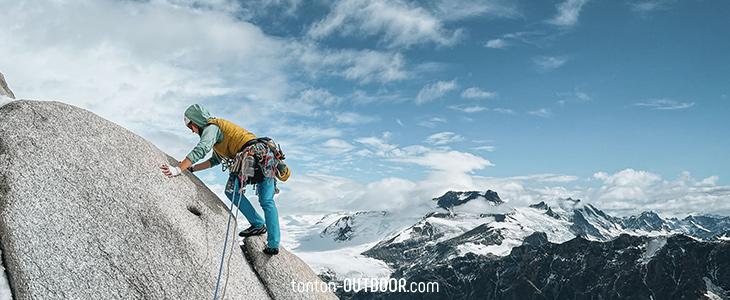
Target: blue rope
{"points": [[236, 192]]}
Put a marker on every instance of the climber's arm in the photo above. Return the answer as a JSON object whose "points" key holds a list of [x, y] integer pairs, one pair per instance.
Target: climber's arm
{"points": [[208, 138], [213, 161]]}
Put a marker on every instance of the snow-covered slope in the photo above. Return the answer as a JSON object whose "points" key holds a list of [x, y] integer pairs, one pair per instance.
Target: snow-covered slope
{"points": [[332, 243]]}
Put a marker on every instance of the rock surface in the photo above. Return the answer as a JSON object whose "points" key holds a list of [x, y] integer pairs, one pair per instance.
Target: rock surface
{"points": [[4, 89], [85, 213], [278, 272]]}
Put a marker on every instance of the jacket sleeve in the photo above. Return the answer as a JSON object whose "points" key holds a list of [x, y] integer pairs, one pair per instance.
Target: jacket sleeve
{"points": [[214, 160], [207, 139]]}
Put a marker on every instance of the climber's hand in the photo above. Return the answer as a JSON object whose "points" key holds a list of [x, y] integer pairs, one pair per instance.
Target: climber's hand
{"points": [[170, 171]]}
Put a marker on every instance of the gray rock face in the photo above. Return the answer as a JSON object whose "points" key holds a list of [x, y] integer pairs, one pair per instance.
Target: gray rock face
{"points": [[4, 89], [279, 272], [85, 213]]}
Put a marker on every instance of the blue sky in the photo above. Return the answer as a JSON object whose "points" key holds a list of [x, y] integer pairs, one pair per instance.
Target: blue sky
{"points": [[621, 103], [614, 57]]}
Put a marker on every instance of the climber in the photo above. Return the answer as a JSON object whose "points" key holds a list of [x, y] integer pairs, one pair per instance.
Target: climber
{"points": [[249, 159]]}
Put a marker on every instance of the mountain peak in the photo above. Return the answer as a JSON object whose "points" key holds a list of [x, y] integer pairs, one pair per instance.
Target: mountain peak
{"points": [[452, 198], [541, 205]]}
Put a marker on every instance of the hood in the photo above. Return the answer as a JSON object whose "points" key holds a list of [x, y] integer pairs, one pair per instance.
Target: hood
{"points": [[198, 114]]}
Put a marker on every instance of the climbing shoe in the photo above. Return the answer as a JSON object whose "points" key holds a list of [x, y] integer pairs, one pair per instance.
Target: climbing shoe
{"points": [[251, 231], [271, 251]]}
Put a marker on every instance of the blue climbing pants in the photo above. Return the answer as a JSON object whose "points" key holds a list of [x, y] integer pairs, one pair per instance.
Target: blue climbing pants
{"points": [[265, 191]]}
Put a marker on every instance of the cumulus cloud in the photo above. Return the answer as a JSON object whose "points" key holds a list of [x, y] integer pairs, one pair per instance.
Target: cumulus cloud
{"points": [[477, 93], [629, 191], [626, 184], [568, 12], [444, 138], [665, 104], [496, 44], [435, 90]]}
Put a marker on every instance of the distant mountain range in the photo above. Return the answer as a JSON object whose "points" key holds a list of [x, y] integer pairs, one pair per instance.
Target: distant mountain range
{"points": [[478, 247]]}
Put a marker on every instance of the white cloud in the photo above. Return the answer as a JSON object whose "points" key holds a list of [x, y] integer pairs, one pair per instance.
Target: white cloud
{"points": [[256, 8], [568, 12], [665, 104], [310, 101], [647, 6], [496, 44], [552, 178], [628, 184], [379, 145], [452, 162], [630, 191], [364, 66], [485, 148], [400, 23], [628, 177], [432, 122], [151, 60], [542, 112], [434, 91], [576, 96], [337, 146], [444, 138], [148, 60], [468, 109], [709, 181], [452, 10], [503, 110], [549, 62], [477, 93], [353, 118]]}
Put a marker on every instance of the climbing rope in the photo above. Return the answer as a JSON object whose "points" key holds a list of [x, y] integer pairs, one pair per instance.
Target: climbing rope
{"points": [[234, 203]]}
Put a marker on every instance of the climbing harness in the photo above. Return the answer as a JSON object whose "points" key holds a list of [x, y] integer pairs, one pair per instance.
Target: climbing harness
{"points": [[260, 158]]}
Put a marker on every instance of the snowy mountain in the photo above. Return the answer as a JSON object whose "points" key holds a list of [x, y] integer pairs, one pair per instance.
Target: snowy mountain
{"points": [[498, 230], [480, 228], [357, 225], [452, 199]]}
